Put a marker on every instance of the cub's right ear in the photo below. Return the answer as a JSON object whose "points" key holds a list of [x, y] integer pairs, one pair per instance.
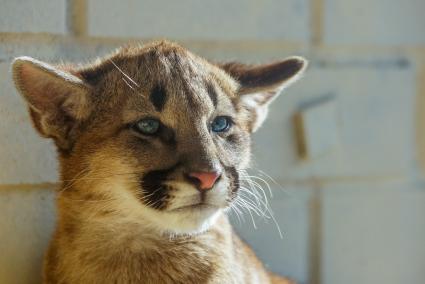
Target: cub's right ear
{"points": [[57, 100]]}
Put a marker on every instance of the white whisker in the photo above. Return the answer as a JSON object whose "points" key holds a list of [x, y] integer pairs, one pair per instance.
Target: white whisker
{"points": [[123, 73], [259, 202], [128, 84]]}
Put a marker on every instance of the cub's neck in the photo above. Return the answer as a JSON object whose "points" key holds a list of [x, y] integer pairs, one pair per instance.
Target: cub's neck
{"points": [[115, 243]]}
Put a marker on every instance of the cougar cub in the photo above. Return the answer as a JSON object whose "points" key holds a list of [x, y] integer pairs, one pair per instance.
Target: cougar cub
{"points": [[151, 141]]}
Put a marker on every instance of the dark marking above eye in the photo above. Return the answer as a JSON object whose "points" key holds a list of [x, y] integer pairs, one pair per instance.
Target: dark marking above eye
{"points": [[158, 97], [212, 93]]}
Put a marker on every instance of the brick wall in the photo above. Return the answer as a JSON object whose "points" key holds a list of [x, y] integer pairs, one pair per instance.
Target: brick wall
{"points": [[351, 215]]}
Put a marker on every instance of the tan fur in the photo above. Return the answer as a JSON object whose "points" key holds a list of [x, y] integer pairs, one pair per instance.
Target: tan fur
{"points": [[110, 228]]}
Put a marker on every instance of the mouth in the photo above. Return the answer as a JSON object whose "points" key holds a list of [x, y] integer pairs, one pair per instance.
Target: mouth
{"points": [[196, 206]]}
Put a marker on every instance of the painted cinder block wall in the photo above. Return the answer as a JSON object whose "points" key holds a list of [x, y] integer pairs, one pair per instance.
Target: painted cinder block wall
{"points": [[353, 215]]}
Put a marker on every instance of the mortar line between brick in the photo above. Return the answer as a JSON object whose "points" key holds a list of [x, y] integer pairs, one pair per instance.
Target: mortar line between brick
{"points": [[316, 22], [308, 181], [246, 45], [315, 237], [46, 185], [420, 114], [76, 17]]}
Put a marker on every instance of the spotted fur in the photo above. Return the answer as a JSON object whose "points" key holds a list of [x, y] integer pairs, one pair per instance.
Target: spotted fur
{"points": [[128, 210]]}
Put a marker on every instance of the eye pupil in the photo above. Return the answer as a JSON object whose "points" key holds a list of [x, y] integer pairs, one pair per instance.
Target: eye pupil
{"points": [[148, 126], [220, 124]]}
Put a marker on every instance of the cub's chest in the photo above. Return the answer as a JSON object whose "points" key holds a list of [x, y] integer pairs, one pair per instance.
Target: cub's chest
{"points": [[165, 262]]}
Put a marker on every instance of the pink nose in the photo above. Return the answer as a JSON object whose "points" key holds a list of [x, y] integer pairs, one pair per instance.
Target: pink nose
{"points": [[206, 179]]}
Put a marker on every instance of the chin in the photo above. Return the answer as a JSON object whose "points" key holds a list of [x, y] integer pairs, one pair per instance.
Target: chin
{"points": [[185, 221]]}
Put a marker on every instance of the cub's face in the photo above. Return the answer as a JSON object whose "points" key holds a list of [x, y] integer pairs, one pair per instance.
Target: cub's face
{"points": [[156, 133]]}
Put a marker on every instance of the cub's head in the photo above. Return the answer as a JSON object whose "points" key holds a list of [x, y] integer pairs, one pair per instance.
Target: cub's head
{"points": [[153, 134]]}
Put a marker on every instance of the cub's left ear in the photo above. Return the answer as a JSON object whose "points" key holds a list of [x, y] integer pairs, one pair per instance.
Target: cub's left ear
{"points": [[261, 84]]}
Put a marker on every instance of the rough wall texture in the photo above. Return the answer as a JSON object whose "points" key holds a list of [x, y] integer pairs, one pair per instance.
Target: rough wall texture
{"points": [[352, 215]]}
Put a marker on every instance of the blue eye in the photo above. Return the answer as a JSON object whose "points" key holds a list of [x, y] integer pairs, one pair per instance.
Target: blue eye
{"points": [[148, 126], [221, 124]]}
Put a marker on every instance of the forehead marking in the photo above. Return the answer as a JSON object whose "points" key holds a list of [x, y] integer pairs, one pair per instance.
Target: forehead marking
{"points": [[212, 93], [158, 97]]}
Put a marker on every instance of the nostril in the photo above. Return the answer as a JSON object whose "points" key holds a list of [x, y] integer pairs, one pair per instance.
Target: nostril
{"points": [[204, 180]]}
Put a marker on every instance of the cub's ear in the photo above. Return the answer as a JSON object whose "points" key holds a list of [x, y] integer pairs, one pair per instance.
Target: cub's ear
{"points": [[57, 100], [261, 84]]}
